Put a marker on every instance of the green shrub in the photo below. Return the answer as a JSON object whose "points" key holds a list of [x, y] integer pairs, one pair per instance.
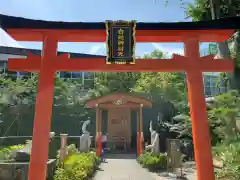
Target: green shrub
{"points": [[4, 154], [229, 154], [229, 173], [77, 166], [153, 161], [71, 149], [7, 153]]}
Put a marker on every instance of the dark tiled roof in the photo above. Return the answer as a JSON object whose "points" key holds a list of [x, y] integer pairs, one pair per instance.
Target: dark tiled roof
{"points": [[25, 52], [19, 22]]}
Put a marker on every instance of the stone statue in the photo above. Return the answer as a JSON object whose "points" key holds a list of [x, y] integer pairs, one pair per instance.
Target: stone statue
{"points": [[84, 126], [28, 147], [154, 146], [23, 155], [85, 139]]}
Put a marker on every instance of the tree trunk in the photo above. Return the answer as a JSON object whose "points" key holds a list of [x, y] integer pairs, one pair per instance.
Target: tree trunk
{"points": [[224, 52], [236, 75], [233, 10]]}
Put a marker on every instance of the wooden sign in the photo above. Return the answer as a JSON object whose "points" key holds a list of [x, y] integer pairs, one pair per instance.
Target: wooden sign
{"points": [[173, 153], [120, 42]]}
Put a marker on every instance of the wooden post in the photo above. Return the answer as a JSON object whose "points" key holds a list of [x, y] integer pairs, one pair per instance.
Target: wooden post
{"points": [[43, 111], [97, 126], [100, 121], [98, 135], [63, 148], [141, 143], [200, 127], [138, 137]]}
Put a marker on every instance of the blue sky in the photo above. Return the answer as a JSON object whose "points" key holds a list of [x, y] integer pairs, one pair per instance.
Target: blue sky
{"points": [[98, 10]]}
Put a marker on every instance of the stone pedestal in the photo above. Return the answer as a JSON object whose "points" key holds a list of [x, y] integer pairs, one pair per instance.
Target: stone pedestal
{"points": [[19, 170], [85, 142]]}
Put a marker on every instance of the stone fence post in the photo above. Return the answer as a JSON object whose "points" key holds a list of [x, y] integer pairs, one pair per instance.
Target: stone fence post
{"points": [[63, 148]]}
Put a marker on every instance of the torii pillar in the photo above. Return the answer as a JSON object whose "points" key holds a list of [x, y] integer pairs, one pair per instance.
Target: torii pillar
{"points": [[43, 110], [196, 98]]}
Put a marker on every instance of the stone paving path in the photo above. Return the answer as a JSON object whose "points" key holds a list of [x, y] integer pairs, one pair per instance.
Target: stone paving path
{"points": [[122, 167], [189, 173]]}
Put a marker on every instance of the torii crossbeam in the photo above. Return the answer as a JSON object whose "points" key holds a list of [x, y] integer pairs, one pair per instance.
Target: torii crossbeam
{"points": [[53, 32]]}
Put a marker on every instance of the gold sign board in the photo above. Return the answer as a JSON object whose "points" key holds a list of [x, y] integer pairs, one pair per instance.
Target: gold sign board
{"points": [[120, 42]]}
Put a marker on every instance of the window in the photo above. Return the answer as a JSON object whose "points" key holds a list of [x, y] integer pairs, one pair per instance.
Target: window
{"points": [[84, 78], [3, 67], [65, 74], [88, 83], [76, 75], [211, 87], [88, 75], [206, 80], [71, 75], [207, 91], [24, 74]]}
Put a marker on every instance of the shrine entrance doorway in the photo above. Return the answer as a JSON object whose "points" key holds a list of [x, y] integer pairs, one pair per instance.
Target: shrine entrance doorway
{"points": [[119, 128], [122, 130]]}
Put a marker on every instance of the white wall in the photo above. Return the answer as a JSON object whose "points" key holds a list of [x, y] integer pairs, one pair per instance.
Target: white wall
{"points": [[4, 57], [8, 41]]}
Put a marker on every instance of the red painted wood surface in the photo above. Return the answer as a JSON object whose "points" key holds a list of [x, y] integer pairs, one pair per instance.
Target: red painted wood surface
{"points": [[112, 106], [196, 98], [191, 63], [125, 97], [177, 64], [43, 112], [141, 35]]}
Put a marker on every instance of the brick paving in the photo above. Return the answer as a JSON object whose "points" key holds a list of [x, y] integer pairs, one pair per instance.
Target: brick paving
{"points": [[122, 167]]}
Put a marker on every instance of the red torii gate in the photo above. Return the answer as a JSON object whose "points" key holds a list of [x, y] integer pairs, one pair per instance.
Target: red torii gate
{"points": [[51, 33]]}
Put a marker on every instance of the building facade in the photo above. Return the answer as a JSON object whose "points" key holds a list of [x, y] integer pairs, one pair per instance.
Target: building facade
{"points": [[213, 85], [84, 78], [212, 81]]}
